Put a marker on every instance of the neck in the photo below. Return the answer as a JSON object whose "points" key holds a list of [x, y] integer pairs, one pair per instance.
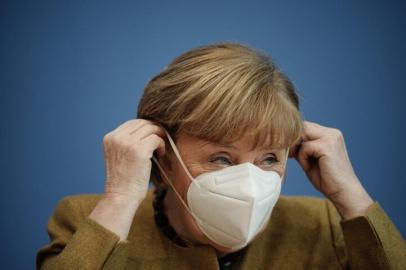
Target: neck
{"points": [[175, 214]]}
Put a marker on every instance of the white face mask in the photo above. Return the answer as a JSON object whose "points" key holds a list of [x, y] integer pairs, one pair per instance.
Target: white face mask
{"points": [[232, 205]]}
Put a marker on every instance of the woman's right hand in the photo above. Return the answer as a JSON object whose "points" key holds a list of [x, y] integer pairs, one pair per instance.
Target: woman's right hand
{"points": [[128, 151]]}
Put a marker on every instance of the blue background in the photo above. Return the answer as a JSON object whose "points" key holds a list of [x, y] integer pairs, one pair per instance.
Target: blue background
{"points": [[71, 71]]}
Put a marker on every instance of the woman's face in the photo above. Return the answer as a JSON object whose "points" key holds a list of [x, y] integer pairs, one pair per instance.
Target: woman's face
{"points": [[202, 156]]}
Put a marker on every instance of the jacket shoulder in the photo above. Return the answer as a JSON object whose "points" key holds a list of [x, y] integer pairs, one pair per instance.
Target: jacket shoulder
{"points": [[305, 211], [82, 204]]}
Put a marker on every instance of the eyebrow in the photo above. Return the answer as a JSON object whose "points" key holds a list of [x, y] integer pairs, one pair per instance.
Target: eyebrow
{"points": [[225, 145]]}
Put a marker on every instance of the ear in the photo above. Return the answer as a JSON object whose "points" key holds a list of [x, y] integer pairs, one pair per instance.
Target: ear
{"points": [[165, 163]]}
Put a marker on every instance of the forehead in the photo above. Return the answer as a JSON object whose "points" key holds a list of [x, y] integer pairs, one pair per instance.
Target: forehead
{"points": [[246, 142]]}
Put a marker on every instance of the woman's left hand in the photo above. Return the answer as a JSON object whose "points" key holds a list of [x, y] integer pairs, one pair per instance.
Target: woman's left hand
{"points": [[323, 157]]}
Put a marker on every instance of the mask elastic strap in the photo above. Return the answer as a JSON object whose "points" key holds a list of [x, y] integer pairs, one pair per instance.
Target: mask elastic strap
{"points": [[286, 163], [175, 150], [173, 187]]}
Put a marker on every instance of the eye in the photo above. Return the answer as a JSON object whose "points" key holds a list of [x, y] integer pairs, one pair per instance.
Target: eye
{"points": [[270, 160], [222, 160]]}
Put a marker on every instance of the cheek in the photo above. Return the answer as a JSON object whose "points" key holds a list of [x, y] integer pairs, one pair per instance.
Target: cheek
{"points": [[181, 180], [279, 169]]}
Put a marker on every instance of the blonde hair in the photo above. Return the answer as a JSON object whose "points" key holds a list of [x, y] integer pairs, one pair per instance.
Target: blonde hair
{"points": [[220, 91]]}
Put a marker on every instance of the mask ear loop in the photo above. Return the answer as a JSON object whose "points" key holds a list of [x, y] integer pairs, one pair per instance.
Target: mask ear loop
{"points": [[175, 149], [186, 241], [171, 184], [285, 165], [184, 167]]}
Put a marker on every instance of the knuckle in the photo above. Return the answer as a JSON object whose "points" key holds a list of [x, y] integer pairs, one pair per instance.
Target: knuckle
{"points": [[155, 137], [159, 140], [107, 138], [114, 139], [338, 134]]}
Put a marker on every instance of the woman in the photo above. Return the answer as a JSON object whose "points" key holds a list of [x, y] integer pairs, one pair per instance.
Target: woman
{"points": [[214, 131]]}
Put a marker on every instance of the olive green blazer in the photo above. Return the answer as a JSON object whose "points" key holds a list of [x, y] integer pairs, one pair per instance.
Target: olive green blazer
{"points": [[303, 233]]}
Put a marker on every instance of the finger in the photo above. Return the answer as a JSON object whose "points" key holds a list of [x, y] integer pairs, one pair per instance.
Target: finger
{"points": [[303, 162], [294, 150], [129, 124], [154, 142], [146, 130], [308, 151], [313, 131], [122, 132], [135, 125]]}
